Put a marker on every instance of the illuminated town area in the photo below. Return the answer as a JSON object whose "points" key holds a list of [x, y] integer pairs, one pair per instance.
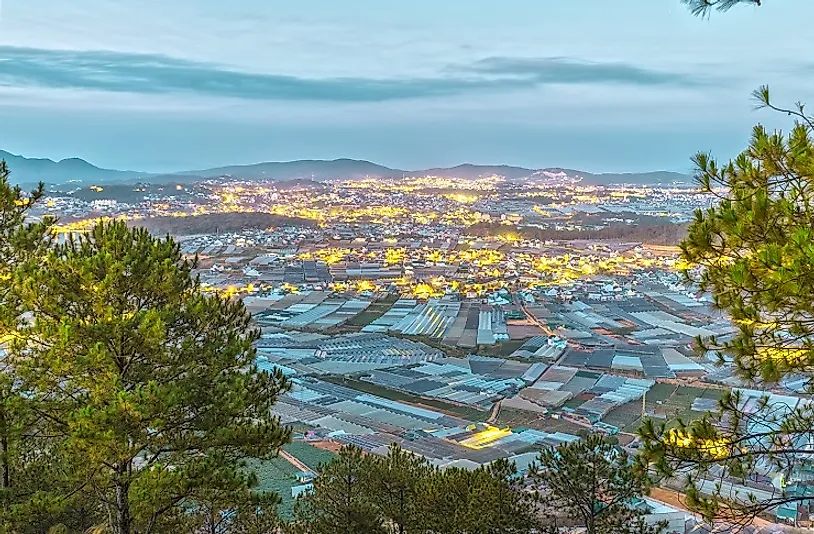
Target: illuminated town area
{"points": [[466, 320]]}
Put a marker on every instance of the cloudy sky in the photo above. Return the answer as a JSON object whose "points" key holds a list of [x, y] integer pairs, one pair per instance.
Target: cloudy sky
{"points": [[599, 85]]}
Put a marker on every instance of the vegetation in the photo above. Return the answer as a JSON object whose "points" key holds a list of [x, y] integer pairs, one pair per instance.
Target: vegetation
{"points": [[277, 475], [703, 7], [340, 501], [666, 401], [755, 255], [590, 484], [311, 456], [594, 482], [402, 493], [26, 459], [217, 223], [136, 395], [501, 349]]}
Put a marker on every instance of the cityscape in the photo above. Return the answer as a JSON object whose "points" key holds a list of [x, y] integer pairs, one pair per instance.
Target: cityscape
{"points": [[465, 320], [378, 268]]}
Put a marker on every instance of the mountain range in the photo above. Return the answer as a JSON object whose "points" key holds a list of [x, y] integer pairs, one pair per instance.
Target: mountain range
{"points": [[26, 171]]}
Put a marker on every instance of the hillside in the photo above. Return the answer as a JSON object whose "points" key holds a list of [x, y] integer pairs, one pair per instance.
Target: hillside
{"points": [[30, 171], [642, 178], [303, 169], [217, 222], [468, 171]]}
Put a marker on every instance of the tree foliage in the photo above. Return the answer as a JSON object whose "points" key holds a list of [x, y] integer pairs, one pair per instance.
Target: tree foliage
{"points": [[403, 494], [704, 7], [25, 458], [234, 510], [486, 500], [340, 501], [20, 239], [132, 370], [18, 236], [594, 484], [754, 253], [397, 485]]}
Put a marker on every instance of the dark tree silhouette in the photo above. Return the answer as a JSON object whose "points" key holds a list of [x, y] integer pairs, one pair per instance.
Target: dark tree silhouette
{"points": [[704, 7]]}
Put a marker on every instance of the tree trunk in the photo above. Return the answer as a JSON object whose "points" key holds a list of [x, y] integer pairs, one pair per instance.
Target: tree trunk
{"points": [[121, 517], [6, 471], [4, 447]]}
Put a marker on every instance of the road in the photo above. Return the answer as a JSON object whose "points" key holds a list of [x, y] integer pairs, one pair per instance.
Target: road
{"points": [[535, 320], [295, 462], [495, 413]]}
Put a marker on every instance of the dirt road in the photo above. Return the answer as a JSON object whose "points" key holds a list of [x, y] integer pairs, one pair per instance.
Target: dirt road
{"points": [[295, 462]]}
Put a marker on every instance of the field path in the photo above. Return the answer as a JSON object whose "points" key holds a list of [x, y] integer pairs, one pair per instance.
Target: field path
{"points": [[295, 462]]}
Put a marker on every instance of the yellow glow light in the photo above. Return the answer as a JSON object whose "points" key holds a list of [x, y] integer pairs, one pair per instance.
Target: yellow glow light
{"points": [[485, 437]]}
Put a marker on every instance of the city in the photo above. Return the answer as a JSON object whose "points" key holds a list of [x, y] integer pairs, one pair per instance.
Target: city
{"points": [[370, 268], [466, 320]]}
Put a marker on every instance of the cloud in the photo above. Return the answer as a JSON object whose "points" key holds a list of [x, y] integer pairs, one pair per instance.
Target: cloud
{"points": [[563, 70], [160, 75]]}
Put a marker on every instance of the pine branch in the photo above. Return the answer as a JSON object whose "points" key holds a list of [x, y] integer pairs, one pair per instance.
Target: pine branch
{"points": [[702, 8]]}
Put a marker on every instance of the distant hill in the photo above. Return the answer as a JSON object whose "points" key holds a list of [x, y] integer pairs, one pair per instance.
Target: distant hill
{"points": [[640, 178], [468, 171], [317, 170], [320, 170], [30, 171]]}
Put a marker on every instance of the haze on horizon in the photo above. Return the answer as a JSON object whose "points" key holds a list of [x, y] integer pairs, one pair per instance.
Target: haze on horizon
{"points": [[627, 85]]}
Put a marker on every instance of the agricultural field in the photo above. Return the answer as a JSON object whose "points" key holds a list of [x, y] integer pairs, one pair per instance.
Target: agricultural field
{"points": [[576, 402], [464, 412], [667, 400], [311, 456], [373, 312], [501, 349], [279, 475], [525, 419]]}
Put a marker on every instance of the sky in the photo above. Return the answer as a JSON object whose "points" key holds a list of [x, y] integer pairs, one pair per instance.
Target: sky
{"points": [[595, 85]]}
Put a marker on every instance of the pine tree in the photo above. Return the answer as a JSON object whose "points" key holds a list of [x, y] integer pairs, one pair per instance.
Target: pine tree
{"points": [[340, 501], [234, 509], [753, 252], [592, 483], [24, 456], [19, 239], [396, 485], [485, 500], [507, 504], [403, 493], [704, 7], [256, 515], [148, 384]]}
